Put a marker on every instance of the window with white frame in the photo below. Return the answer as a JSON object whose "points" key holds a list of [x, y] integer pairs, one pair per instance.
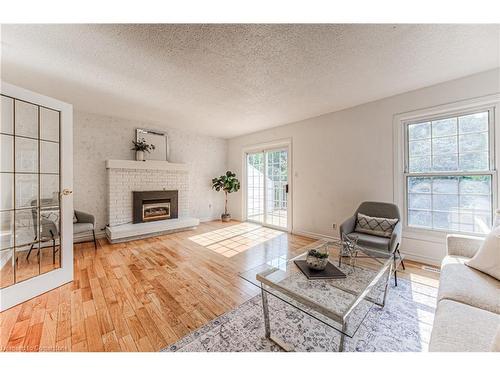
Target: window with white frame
{"points": [[449, 172]]}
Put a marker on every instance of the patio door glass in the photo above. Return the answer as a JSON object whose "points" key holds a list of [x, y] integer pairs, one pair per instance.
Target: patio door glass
{"points": [[268, 187]]}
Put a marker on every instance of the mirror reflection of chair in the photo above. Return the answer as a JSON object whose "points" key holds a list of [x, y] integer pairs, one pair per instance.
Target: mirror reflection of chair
{"points": [[49, 220]]}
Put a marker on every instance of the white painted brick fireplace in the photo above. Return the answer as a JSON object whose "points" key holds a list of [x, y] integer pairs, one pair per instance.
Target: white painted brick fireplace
{"points": [[127, 176]]}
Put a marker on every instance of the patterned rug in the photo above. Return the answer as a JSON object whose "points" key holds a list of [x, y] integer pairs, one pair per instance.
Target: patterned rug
{"points": [[403, 325]]}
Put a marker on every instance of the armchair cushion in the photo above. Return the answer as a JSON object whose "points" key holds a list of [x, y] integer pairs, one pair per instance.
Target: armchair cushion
{"points": [[377, 226], [82, 227], [368, 240]]}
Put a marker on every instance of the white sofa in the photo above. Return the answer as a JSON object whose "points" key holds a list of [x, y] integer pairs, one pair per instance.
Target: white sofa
{"points": [[468, 310]]}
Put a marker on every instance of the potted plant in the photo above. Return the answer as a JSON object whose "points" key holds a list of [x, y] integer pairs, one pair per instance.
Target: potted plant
{"points": [[140, 147], [228, 183], [317, 259]]}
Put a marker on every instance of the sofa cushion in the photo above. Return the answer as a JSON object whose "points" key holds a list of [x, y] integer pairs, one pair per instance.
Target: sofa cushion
{"points": [[487, 258], [377, 226], [462, 328], [461, 283], [369, 240], [82, 227]]}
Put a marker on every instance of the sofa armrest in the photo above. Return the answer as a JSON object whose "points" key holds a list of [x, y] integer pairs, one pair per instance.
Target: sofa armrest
{"points": [[348, 226], [83, 217], [465, 246]]}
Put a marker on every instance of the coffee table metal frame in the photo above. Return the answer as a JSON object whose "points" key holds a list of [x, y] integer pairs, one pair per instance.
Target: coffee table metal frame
{"points": [[387, 266]]}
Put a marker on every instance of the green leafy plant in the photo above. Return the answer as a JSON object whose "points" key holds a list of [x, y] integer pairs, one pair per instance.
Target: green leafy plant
{"points": [[141, 145], [315, 253], [228, 183]]}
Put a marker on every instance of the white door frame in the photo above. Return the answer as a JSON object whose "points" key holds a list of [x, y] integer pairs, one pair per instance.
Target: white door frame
{"points": [[25, 290], [280, 144]]}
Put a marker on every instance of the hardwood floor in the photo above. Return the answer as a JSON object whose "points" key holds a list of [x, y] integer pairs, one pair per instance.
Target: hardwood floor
{"points": [[146, 294]]}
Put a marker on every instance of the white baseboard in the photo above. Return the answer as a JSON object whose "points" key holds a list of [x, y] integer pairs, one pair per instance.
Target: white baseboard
{"points": [[88, 237], [210, 218], [422, 259], [312, 234]]}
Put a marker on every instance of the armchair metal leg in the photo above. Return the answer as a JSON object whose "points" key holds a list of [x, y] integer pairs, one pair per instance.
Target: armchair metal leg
{"points": [[402, 262], [53, 251], [395, 271], [31, 248], [95, 241]]}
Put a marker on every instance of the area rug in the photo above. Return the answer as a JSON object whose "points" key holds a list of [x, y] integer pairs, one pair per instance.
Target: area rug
{"points": [[403, 325]]}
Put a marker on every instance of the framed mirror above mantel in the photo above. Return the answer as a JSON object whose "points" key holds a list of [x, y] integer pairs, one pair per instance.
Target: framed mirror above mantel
{"points": [[157, 138]]}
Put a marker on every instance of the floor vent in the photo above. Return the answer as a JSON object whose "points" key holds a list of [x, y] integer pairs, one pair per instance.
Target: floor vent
{"points": [[431, 269]]}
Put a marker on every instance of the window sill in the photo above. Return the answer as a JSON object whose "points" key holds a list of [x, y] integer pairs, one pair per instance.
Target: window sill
{"points": [[433, 235]]}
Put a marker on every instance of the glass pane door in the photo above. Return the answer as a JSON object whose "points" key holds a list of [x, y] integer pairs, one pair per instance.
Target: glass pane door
{"points": [[255, 187], [277, 188], [267, 188], [30, 185]]}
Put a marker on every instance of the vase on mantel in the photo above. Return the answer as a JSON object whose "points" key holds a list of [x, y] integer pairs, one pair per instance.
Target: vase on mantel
{"points": [[139, 155]]}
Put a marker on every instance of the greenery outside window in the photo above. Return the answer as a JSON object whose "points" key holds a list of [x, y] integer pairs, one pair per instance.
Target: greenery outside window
{"points": [[449, 172]]}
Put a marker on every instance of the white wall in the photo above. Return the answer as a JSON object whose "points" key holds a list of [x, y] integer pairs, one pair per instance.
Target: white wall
{"points": [[98, 138], [343, 158]]}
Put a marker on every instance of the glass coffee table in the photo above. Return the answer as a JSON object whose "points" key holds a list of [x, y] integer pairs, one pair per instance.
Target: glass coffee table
{"points": [[342, 304]]}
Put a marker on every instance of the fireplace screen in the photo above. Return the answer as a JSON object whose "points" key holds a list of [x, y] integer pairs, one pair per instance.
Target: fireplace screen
{"points": [[154, 205], [155, 211]]}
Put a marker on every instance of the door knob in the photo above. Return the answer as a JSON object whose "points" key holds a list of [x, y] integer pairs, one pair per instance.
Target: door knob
{"points": [[66, 192]]}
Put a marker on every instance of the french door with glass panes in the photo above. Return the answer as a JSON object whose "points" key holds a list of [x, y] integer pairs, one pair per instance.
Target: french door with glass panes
{"points": [[267, 188], [36, 252]]}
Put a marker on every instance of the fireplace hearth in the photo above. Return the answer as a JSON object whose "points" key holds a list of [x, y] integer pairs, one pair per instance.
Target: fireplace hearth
{"points": [[154, 205]]}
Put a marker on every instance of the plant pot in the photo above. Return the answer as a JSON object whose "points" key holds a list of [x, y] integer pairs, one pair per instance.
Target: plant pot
{"points": [[225, 218], [139, 155], [315, 262]]}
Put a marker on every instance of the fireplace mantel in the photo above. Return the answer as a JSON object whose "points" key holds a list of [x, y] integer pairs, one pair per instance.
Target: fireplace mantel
{"points": [[148, 164]]}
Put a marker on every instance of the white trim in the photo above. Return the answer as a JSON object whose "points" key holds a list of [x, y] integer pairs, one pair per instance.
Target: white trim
{"points": [[284, 143], [491, 102], [25, 290], [147, 164], [316, 236], [211, 218], [431, 261]]}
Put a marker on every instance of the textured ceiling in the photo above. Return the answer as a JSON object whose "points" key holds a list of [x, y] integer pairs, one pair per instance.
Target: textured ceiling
{"points": [[228, 80]]}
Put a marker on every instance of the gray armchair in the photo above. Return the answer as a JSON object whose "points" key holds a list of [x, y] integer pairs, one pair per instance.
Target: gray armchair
{"points": [[84, 223], [376, 209]]}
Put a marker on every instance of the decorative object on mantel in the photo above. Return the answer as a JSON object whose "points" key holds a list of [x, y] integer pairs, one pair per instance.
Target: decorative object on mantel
{"points": [[141, 146], [156, 137], [229, 184]]}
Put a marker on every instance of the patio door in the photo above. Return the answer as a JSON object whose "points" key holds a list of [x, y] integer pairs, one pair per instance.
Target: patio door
{"points": [[36, 234], [268, 188]]}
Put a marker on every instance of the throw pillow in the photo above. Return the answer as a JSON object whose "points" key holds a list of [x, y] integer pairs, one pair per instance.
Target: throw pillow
{"points": [[378, 226], [487, 258]]}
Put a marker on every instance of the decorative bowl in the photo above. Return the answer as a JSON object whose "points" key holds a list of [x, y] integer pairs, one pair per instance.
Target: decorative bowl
{"points": [[317, 259]]}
